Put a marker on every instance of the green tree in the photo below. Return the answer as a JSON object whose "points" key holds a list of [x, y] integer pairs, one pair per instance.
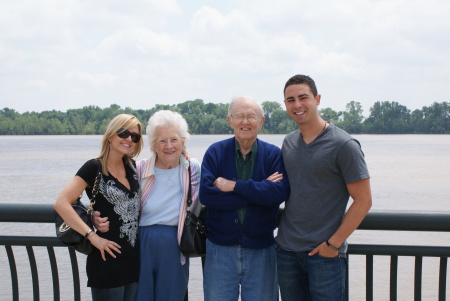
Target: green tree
{"points": [[270, 110], [286, 126], [220, 110], [385, 118], [388, 118], [417, 122], [330, 115], [436, 118], [352, 118], [220, 126], [9, 113], [53, 126], [194, 113], [220, 123]]}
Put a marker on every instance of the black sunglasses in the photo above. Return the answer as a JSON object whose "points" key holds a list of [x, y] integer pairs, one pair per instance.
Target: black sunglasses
{"points": [[124, 134]]}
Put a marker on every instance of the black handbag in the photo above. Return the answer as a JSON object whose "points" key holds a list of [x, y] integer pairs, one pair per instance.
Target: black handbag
{"points": [[71, 237], [193, 239]]}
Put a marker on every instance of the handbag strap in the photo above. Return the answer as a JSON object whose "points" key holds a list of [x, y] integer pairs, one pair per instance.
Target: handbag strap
{"points": [[96, 187], [189, 196]]}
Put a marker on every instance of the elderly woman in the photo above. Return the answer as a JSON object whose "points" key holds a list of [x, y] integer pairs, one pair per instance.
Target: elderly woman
{"points": [[112, 267], [164, 179]]}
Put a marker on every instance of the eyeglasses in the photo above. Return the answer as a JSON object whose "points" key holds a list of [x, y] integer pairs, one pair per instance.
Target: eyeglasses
{"points": [[173, 141], [241, 117], [124, 134]]}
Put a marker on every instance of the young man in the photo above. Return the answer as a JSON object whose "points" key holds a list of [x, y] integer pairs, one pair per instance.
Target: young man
{"points": [[242, 185], [325, 166]]}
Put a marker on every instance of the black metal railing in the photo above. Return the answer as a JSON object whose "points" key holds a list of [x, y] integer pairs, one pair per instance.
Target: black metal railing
{"points": [[412, 221], [32, 213], [376, 220]]}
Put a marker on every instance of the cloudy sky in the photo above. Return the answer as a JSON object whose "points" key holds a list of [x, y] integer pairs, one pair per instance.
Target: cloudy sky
{"points": [[69, 54]]}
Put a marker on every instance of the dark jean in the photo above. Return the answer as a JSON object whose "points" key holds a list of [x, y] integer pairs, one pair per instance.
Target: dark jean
{"points": [[121, 293], [312, 278]]}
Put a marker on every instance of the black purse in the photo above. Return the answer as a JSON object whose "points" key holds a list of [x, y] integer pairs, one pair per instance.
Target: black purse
{"points": [[193, 239], [71, 237]]}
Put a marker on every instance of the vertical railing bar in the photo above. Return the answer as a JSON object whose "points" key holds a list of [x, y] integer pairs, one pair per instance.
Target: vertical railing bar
{"points": [[75, 274], [34, 273], [394, 278], [369, 277], [55, 277], [418, 278], [13, 269], [442, 278]]}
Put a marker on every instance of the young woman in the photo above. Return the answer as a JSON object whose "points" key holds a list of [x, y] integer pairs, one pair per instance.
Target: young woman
{"points": [[113, 266]]}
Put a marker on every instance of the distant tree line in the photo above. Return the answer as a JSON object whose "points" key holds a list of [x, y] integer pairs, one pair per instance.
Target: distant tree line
{"points": [[208, 118]]}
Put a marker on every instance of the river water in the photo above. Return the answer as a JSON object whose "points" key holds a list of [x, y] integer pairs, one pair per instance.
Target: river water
{"points": [[408, 172]]}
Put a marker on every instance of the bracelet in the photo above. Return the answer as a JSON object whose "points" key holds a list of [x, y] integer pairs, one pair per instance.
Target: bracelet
{"points": [[87, 233], [331, 246]]}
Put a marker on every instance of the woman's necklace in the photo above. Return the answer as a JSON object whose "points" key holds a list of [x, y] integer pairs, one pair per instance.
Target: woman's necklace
{"points": [[169, 182]]}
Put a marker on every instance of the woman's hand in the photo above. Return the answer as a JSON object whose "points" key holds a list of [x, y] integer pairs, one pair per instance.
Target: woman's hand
{"points": [[185, 154], [100, 223], [104, 245]]}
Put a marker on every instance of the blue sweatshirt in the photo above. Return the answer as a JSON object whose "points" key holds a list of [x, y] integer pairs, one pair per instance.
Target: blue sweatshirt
{"points": [[261, 196]]}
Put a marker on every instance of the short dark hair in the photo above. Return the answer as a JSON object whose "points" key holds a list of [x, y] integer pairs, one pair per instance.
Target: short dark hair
{"points": [[302, 79]]}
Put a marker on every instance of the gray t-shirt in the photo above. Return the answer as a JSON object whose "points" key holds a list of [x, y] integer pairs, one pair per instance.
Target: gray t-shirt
{"points": [[318, 173]]}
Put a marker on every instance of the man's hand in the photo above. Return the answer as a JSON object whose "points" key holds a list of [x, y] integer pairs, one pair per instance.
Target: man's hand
{"points": [[276, 177], [224, 185], [100, 223], [324, 251]]}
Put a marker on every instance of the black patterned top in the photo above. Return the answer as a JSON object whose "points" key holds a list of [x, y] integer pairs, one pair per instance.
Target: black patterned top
{"points": [[121, 206]]}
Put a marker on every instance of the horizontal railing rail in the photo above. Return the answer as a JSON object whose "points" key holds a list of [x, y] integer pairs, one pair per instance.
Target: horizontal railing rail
{"points": [[35, 213], [375, 220]]}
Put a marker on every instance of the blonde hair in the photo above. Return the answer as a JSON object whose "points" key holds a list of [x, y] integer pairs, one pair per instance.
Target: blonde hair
{"points": [[165, 118], [121, 121]]}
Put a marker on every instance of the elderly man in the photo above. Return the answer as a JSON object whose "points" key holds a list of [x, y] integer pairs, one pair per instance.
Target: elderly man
{"points": [[243, 182]]}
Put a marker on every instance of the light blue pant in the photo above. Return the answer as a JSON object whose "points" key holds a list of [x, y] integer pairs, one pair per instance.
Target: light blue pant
{"points": [[161, 277], [310, 278], [229, 269], [122, 293]]}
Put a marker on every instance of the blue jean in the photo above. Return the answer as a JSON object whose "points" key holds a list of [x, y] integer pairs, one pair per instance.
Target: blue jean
{"points": [[312, 278], [162, 277], [126, 292], [229, 269]]}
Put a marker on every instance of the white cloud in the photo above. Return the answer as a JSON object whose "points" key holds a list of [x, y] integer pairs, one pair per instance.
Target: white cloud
{"points": [[93, 79], [67, 54], [138, 43]]}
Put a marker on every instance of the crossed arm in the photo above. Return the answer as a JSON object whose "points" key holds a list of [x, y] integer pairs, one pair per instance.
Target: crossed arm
{"points": [[225, 185]]}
